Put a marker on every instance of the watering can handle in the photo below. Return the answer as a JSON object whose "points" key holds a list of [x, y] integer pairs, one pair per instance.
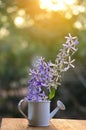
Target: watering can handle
{"points": [[20, 107]]}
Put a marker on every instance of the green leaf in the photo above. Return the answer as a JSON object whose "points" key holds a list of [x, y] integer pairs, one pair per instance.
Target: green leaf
{"points": [[52, 93]]}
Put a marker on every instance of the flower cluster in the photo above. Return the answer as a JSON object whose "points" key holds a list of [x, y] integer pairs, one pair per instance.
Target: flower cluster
{"points": [[40, 77], [47, 75]]}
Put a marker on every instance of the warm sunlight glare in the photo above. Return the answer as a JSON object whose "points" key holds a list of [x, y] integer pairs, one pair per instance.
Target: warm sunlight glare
{"points": [[3, 32], [78, 25], [56, 5], [19, 21]]}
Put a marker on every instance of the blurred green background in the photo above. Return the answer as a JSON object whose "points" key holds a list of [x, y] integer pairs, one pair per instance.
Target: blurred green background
{"points": [[33, 28]]}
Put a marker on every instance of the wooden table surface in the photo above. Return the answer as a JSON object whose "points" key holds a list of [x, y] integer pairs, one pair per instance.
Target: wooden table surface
{"points": [[55, 124]]}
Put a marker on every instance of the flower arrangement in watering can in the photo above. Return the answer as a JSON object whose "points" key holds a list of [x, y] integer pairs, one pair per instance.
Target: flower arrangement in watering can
{"points": [[47, 76]]}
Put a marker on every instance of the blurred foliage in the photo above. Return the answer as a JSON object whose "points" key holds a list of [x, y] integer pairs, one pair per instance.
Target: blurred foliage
{"points": [[27, 31]]}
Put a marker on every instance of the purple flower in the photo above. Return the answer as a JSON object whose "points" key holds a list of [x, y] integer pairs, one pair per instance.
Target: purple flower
{"points": [[40, 77], [71, 43], [46, 76]]}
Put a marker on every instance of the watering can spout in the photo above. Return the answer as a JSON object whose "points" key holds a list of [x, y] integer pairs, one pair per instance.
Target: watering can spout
{"points": [[60, 106]]}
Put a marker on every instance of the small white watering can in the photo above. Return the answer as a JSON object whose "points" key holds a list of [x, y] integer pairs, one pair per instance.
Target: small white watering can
{"points": [[39, 112]]}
